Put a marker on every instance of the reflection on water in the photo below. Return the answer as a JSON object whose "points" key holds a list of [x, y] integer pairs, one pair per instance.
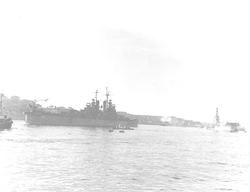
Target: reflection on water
{"points": [[149, 158]]}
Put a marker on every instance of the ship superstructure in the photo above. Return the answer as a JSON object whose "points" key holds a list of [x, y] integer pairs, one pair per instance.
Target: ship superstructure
{"points": [[226, 126]]}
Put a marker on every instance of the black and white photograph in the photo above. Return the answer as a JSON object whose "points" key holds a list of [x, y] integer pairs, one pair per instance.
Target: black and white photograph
{"points": [[124, 96]]}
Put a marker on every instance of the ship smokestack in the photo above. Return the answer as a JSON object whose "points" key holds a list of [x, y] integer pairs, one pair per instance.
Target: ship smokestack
{"points": [[104, 106], [97, 104]]}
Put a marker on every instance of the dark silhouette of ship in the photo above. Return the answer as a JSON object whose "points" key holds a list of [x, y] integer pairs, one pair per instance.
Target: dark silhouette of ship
{"points": [[5, 122], [93, 115]]}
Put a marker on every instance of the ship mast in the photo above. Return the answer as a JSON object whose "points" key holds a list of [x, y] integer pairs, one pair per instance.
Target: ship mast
{"points": [[216, 118], [105, 103], [107, 94], [96, 95], [1, 104]]}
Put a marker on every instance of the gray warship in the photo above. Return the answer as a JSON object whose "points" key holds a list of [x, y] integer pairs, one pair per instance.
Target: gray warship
{"points": [[93, 115]]}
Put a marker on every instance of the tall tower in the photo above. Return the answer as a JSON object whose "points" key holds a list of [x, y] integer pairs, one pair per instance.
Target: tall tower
{"points": [[216, 117]]}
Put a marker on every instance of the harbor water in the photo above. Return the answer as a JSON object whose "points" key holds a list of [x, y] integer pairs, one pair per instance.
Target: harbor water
{"points": [[148, 158]]}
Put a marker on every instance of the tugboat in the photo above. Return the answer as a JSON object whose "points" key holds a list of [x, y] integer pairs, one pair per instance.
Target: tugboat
{"points": [[227, 126], [93, 115], [5, 122]]}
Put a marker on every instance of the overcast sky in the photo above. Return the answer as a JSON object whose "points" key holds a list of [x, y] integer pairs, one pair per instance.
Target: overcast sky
{"points": [[169, 58]]}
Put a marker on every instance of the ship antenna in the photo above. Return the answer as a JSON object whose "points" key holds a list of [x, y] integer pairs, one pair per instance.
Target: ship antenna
{"points": [[107, 94], [96, 95]]}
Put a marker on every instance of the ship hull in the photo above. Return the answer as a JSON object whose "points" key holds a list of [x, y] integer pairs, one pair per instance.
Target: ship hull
{"points": [[6, 124], [57, 120], [223, 128], [229, 128]]}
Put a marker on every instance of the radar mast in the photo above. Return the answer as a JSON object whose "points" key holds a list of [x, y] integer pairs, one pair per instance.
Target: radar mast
{"points": [[107, 94], [216, 117]]}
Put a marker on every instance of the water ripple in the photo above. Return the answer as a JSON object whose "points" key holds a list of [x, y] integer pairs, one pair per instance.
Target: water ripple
{"points": [[149, 158]]}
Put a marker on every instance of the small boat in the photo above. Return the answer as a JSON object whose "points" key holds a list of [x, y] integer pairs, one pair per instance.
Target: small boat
{"points": [[122, 131], [122, 127], [5, 122]]}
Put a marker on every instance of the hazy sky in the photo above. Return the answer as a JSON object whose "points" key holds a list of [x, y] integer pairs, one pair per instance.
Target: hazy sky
{"points": [[180, 58]]}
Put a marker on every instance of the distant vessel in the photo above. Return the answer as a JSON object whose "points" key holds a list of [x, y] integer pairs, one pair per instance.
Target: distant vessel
{"points": [[227, 126], [93, 115], [5, 122]]}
